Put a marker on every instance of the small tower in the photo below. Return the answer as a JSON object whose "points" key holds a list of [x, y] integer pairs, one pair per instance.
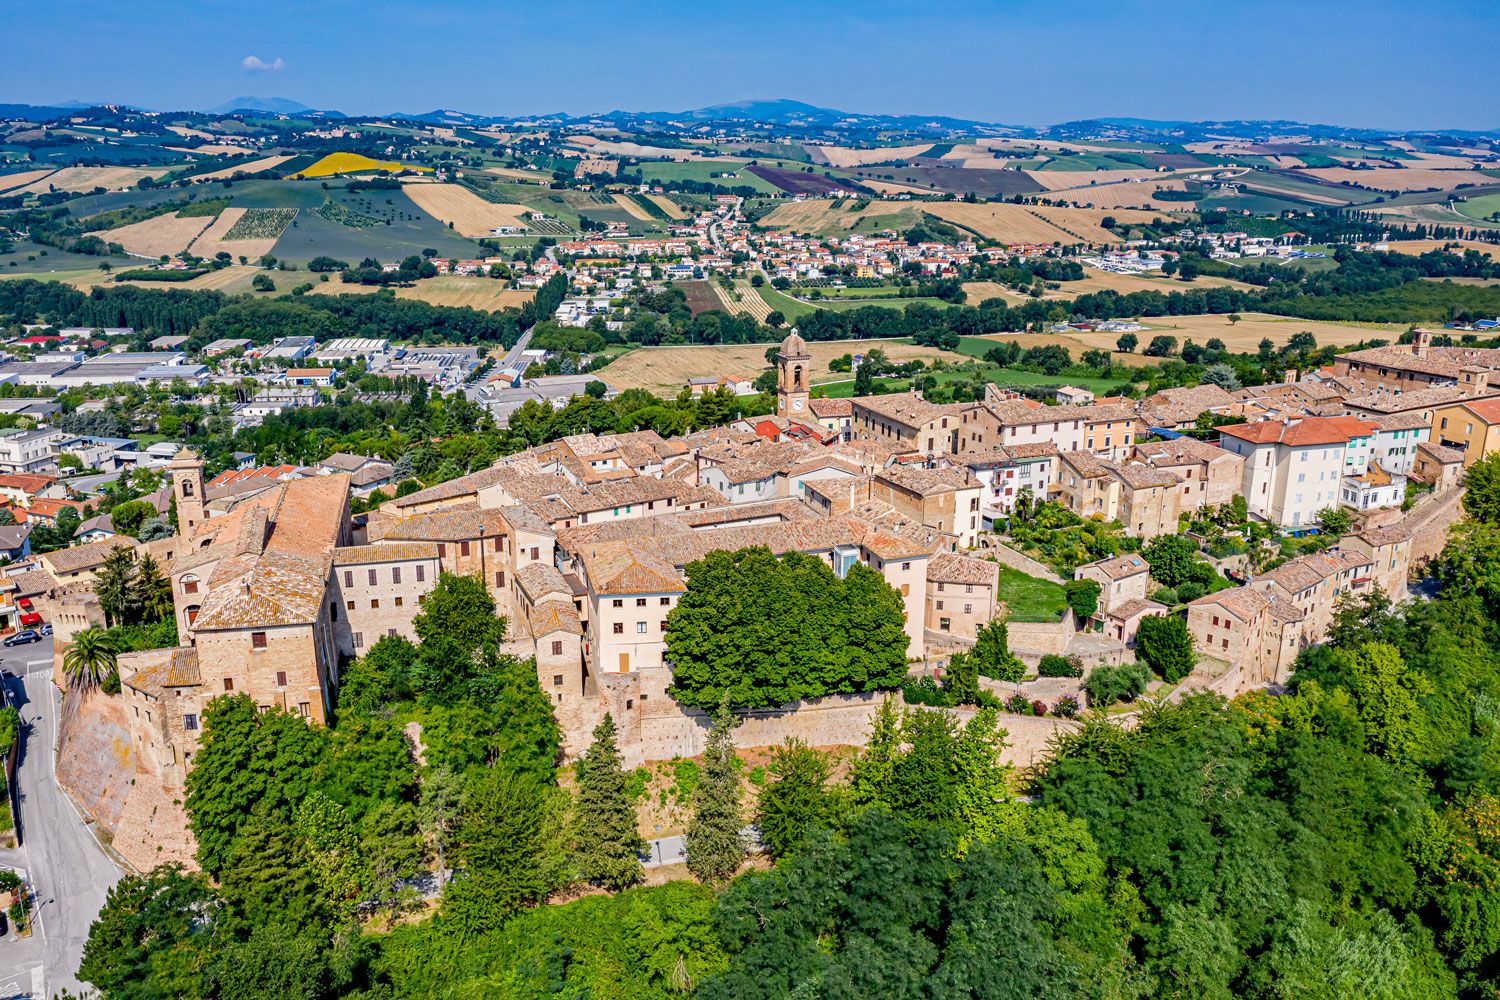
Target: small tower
{"points": [[187, 490], [793, 368]]}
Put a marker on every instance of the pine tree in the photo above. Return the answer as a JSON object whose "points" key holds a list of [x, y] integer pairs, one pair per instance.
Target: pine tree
{"points": [[605, 837], [715, 844]]}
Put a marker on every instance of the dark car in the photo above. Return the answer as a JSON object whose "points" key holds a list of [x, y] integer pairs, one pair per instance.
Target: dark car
{"points": [[22, 638], [46, 628]]}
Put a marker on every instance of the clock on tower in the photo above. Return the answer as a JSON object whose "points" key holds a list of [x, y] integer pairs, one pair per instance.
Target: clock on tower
{"points": [[793, 369]]}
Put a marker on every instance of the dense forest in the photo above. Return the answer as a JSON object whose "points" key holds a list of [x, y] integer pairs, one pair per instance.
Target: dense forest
{"points": [[1335, 840]]}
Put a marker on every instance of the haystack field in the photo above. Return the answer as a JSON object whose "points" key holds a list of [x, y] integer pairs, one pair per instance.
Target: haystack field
{"points": [[1027, 224], [469, 214], [673, 210], [164, 234], [247, 167], [1405, 179], [667, 369], [9, 182], [843, 156], [215, 238], [83, 179], [633, 208]]}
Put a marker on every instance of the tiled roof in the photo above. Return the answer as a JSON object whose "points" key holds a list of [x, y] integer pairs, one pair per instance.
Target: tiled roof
{"points": [[538, 579], [451, 525], [1119, 567], [156, 670], [1388, 534], [929, 482], [1242, 602], [81, 557], [1303, 433], [1385, 401], [27, 482], [1126, 610], [830, 409], [908, 409], [623, 568], [1487, 410], [555, 616], [1441, 453], [453, 488], [383, 552], [950, 567]]}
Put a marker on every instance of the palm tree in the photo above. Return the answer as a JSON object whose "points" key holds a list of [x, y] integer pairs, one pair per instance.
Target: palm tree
{"points": [[90, 659]]}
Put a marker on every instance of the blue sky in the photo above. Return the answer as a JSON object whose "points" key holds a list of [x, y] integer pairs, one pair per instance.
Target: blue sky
{"points": [[1375, 63]]}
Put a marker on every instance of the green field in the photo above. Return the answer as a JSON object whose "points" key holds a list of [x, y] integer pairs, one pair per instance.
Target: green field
{"points": [[788, 306], [1029, 599], [1480, 208]]}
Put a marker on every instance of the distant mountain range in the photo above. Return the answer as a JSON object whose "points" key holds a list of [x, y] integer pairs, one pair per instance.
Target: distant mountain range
{"points": [[799, 115]]}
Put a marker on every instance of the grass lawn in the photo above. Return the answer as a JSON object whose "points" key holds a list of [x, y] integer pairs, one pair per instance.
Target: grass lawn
{"points": [[842, 305], [1029, 599], [845, 389], [785, 304]]}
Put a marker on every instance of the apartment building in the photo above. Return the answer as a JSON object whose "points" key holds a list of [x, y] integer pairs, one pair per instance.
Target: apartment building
{"points": [[1471, 427], [910, 422], [961, 594], [1294, 468], [945, 499]]}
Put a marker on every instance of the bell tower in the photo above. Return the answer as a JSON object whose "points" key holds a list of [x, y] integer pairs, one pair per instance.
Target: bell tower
{"points": [[187, 490], [793, 371]]}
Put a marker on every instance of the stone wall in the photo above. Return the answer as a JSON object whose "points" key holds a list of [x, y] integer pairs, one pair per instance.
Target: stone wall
{"points": [[1007, 556], [1041, 637], [1429, 523]]}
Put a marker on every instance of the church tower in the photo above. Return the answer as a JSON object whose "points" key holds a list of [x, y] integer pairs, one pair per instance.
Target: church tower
{"points": [[793, 371], [187, 490]]}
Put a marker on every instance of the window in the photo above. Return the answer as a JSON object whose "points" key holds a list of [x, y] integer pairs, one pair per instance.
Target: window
{"points": [[940, 605], [640, 602], [391, 632], [535, 552], [663, 624], [395, 574], [190, 722], [463, 548], [442, 550], [304, 709], [617, 603], [619, 628], [349, 605], [666, 602], [557, 651], [906, 566], [500, 579], [968, 609], [281, 678], [499, 543], [374, 603], [421, 573], [189, 586], [229, 684], [399, 602], [359, 640], [944, 624], [640, 628], [906, 590], [371, 575], [257, 640], [557, 678], [968, 588]]}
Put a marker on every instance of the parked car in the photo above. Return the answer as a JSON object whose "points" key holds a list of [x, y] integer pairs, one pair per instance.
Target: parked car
{"points": [[46, 628], [22, 637]]}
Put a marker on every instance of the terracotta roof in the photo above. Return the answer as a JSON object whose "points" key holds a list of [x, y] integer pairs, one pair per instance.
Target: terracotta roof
{"points": [[1403, 421], [539, 579], [1242, 602], [929, 482], [1385, 401], [1487, 410], [1126, 610], [908, 409], [555, 616], [383, 552], [81, 557], [156, 670], [1441, 453], [1302, 433], [830, 409], [627, 569], [27, 482], [450, 525], [950, 567], [1388, 534]]}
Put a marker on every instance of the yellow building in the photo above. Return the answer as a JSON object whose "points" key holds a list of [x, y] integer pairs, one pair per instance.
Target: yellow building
{"points": [[1472, 427]]}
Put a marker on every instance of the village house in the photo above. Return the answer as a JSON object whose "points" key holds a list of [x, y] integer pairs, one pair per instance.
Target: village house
{"points": [[961, 594]]}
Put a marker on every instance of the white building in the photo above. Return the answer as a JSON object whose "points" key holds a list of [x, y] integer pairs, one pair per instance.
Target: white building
{"points": [[1296, 468]]}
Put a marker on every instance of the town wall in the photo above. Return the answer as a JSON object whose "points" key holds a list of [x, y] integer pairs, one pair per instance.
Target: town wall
{"points": [[1007, 556]]}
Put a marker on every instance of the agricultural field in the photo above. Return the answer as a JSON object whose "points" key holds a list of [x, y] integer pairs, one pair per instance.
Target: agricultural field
{"points": [[667, 369], [741, 297], [1485, 208], [799, 182], [1101, 281], [162, 235], [25, 178], [928, 177], [353, 163], [462, 209], [1027, 224], [633, 208], [245, 167], [1056, 180], [85, 179], [671, 208], [843, 156], [519, 176], [463, 291], [1403, 179], [826, 218], [404, 229], [232, 280], [244, 232], [701, 296], [1491, 250], [1242, 337], [707, 172], [1130, 194]]}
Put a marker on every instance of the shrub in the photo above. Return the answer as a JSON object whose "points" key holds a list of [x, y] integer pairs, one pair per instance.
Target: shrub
{"points": [[1164, 645], [1165, 595], [1066, 707], [1189, 592], [924, 691], [1107, 685], [1018, 704], [1038, 707], [1083, 597], [1053, 665]]}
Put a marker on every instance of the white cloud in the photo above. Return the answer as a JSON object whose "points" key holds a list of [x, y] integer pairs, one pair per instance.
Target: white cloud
{"points": [[255, 64]]}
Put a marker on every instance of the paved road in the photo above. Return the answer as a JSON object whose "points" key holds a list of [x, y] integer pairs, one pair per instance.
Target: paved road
{"points": [[68, 869]]}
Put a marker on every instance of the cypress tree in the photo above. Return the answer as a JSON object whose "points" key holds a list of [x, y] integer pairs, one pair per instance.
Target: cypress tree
{"points": [[605, 837], [715, 845]]}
